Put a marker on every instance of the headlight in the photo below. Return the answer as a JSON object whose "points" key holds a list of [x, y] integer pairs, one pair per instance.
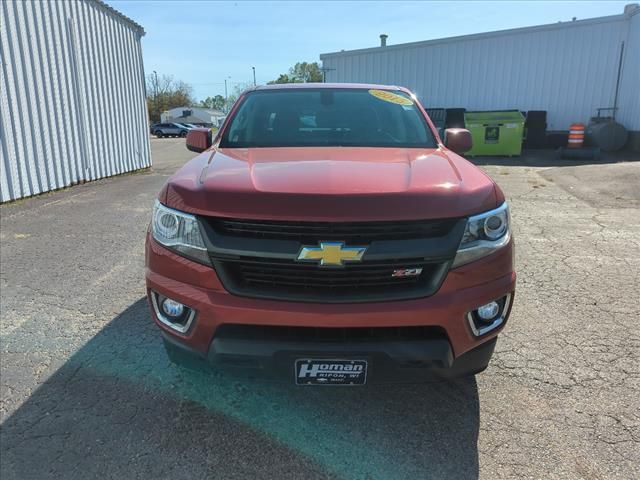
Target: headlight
{"points": [[179, 232], [484, 234]]}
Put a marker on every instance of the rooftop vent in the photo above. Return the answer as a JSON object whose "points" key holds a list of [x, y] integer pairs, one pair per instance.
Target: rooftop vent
{"points": [[383, 39]]}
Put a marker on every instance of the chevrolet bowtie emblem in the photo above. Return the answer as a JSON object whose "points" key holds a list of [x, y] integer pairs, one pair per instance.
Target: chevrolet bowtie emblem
{"points": [[331, 254]]}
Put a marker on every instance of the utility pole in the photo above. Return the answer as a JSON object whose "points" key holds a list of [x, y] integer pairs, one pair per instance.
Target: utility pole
{"points": [[324, 73], [155, 93], [226, 96], [254, 76]]}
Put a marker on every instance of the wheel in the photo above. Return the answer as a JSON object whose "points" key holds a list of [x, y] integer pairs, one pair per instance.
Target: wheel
{"points": [[183, 134], [158, 134]]}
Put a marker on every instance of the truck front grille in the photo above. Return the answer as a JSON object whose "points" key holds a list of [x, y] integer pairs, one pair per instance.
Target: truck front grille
{"points": [[259, 258], [307, 282], [344, 231], [329, 335]]}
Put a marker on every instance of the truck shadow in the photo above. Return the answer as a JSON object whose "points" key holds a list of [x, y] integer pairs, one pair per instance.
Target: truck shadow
{"points": [[118, 408]]}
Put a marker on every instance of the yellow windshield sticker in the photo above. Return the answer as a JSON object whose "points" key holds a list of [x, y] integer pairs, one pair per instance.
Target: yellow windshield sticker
{"points": [[391, 97]]}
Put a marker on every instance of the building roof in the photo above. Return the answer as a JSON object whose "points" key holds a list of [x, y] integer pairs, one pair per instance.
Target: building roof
{"points": [[121, 16], [209, 111], [497, 33]]}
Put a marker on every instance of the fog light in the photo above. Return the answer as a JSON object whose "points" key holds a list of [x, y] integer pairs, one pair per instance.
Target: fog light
{"points": [[489, 311], [172, 308], [173, 314], [489, 316]]}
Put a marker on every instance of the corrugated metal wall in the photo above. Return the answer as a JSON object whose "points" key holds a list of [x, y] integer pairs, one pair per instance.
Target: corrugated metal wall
{"points": [[568, 69], [629, 96], [72, 95]]}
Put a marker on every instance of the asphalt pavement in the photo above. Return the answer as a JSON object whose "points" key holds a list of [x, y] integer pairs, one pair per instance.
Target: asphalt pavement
{"points": [[88, 392]]}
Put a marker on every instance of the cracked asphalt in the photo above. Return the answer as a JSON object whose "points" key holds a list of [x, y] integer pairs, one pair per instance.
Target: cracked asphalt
{"points": [[87, 391]]}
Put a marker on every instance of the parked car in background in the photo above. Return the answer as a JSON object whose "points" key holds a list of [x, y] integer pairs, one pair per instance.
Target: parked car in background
{"points": [[169, 130]]}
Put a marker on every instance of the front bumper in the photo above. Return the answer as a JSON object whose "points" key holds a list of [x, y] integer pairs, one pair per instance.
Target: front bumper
{"points": [[412, 362], [464, 289]]}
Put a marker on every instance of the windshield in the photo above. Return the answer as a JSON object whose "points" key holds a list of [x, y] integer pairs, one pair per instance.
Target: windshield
{"points": [[327, 117]]}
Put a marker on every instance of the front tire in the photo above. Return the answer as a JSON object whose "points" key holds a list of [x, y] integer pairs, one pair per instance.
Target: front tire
{"points": [[158, 134], [183, 134]]}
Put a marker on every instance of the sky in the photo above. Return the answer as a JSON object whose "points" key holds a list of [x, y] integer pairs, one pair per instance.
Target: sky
{"points": [[205, 42]]}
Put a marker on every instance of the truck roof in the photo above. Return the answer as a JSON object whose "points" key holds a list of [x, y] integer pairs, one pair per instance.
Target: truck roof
{"points": [[367, 86]]}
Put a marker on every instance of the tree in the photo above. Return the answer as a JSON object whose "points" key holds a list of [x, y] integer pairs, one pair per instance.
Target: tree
{"points": [[306, 72], [165, 92], [301, 72], [214, 103], [238, 88], [283, 78]]}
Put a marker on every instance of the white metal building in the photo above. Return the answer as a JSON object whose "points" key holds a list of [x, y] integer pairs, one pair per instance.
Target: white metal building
{"points": [[192, 115], [568, 69], [72, 95]]}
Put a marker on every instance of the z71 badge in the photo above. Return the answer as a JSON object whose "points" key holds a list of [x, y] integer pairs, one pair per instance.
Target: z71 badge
{"points": [[406, 272]]}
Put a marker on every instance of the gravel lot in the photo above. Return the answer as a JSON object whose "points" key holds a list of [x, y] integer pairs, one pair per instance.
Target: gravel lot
{"points": [[87, 391]]}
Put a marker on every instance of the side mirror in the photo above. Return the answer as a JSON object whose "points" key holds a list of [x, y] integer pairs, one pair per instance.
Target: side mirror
{"points": [[199, 139], [458, 139]]}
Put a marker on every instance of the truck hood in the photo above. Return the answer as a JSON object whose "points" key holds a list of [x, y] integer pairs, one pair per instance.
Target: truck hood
{"points": [[330, 184]]}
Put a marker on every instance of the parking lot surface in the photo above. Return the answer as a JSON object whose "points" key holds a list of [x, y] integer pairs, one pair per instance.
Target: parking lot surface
{"points": [[87, 391]]}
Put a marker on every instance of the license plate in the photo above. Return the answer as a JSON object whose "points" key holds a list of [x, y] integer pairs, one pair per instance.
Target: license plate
{"points": [[330, 372]]}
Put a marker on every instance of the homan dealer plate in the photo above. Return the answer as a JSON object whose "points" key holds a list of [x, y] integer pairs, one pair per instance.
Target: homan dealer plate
{"points": [[309, 371]]}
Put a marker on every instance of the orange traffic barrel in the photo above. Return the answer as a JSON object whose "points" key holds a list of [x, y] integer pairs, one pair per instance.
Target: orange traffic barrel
{"points": [[576, 135]]}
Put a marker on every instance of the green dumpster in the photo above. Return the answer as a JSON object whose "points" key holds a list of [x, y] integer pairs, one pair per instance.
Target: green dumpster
{"points": [[495, 133]]}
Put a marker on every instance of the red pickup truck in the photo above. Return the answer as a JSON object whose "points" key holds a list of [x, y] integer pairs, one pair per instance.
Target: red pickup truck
{"points": [[328, 236]]}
